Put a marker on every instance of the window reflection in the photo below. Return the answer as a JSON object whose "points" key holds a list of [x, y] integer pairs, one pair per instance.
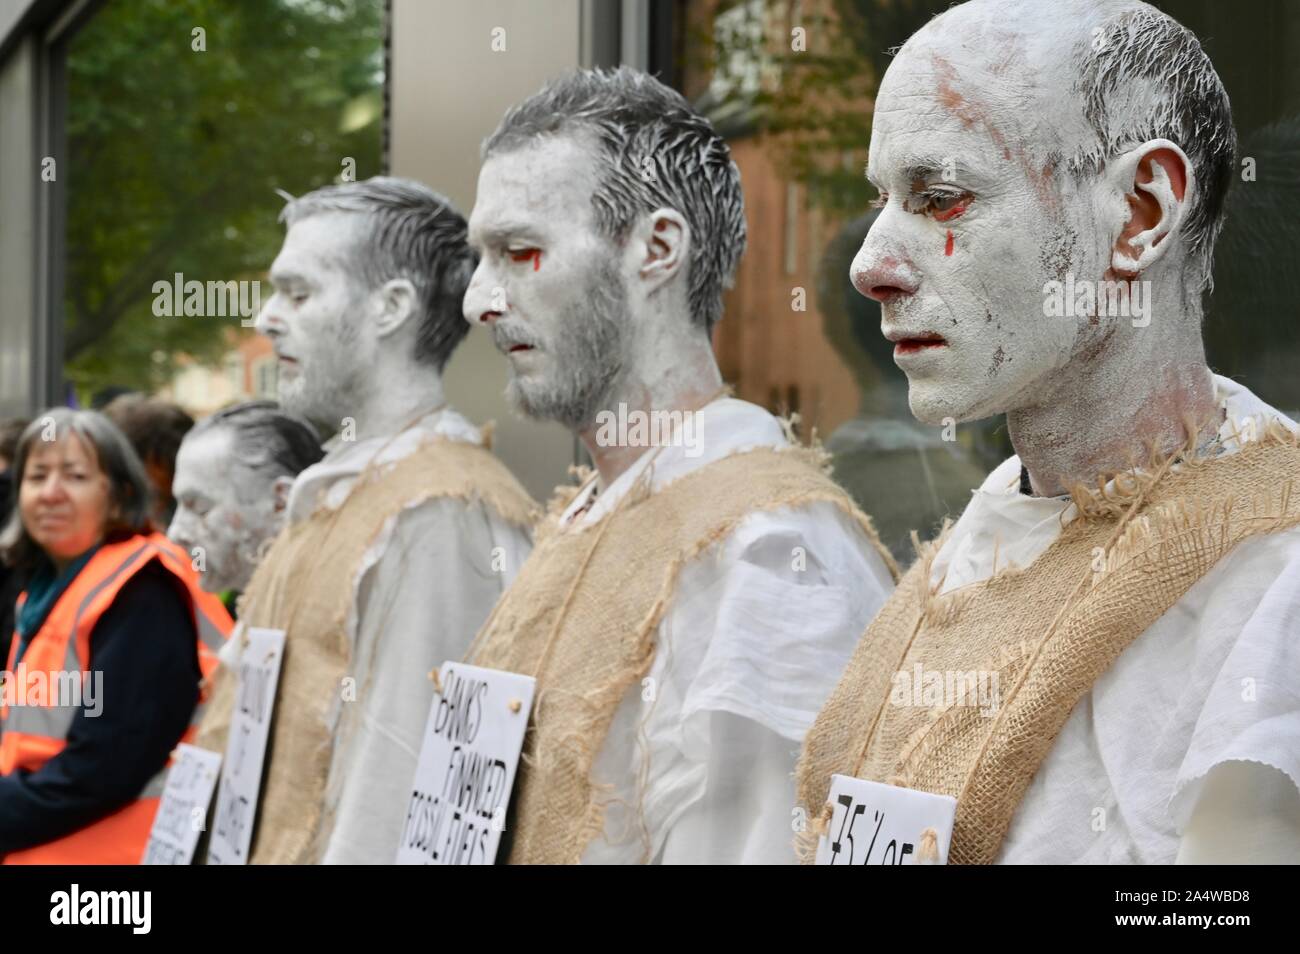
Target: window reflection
{"points": [[184, 119], [790, 84]]}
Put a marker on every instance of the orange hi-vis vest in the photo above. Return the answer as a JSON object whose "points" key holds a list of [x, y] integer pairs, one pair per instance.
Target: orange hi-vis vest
{"points": [[33, 733]]}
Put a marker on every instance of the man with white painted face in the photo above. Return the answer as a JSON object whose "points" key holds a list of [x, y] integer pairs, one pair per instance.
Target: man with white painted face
{"points": [[689, 604], [397, 543], [1131, 578], [233, 474]]}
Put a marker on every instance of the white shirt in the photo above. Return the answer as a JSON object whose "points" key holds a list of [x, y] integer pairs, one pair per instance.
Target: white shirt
{"points": [[421, 592], [759, 629], [1212, 685]]}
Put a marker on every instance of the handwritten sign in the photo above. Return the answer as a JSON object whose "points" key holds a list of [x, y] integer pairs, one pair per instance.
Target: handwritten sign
{"points": [[258, 673], [183, 810], [875, 824], [472, 740]]}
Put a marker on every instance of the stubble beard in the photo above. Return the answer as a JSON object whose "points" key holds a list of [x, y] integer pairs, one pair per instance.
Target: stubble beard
{"points": [[586, 355]]}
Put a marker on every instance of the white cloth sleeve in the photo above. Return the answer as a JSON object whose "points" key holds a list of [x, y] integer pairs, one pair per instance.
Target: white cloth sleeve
{"points": [[745, 815], [1237, 798], [779, 611], [757, 636], [441, 568], [1247, 813]]}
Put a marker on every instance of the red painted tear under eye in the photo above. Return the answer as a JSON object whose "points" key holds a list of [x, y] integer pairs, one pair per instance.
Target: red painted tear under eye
{"points": [[533, 253], [956, 212]]}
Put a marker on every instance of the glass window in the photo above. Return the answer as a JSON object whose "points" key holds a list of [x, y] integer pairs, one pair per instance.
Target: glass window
{"points": [[235, 374], [184, 121], [265, 374]]}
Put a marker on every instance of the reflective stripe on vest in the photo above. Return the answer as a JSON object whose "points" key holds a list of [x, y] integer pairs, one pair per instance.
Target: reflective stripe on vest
{"points": [[51, 722]]}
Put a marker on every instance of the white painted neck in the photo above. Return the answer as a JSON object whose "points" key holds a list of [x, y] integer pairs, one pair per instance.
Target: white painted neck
{"points": [[399, 393], [1106, 413], [675, 372]]}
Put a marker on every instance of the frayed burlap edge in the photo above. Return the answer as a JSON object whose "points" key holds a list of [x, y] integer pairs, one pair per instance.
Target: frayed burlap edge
{"points": [[1134, 483], [581, 739]]}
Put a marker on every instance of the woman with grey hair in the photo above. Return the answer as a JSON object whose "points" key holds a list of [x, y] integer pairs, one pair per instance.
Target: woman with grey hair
{"points": [[113, 638], [233, 474]]}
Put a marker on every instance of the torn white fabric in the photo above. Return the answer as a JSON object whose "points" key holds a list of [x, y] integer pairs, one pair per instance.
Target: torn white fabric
{"points": [[701, 756]]}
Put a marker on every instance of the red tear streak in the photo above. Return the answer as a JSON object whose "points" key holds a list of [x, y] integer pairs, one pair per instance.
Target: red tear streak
{"points": [[947, 249], [537, 259]]}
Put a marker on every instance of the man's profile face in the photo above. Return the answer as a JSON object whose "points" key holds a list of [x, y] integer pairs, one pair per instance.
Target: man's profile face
{"points": [[548, 284], [223, 508], [974, 225], [315, 318]]}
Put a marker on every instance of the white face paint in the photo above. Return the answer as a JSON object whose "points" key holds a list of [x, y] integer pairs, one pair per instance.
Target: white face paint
{"points": [[976, 220], [316, 320], [223, 507], [548, 284]]}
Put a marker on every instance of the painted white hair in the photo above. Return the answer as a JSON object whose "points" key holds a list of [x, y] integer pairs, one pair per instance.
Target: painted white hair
{"points": [[1138, 75], [265, 438], [413, 233], [655, 150], [1131, 55]]}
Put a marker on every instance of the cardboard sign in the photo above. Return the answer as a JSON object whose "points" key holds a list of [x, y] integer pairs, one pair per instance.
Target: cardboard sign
{"points": [[875, 824], [183, 810], [472, 740], [258, 674]]}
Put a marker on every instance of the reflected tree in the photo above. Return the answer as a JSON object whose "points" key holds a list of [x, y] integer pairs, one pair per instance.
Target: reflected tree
{"points": [[183, 119]]}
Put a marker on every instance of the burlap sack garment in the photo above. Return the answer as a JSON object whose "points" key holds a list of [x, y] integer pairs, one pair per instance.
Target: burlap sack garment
{"points": [[1048, 631], [583, 613], [305, 586]]}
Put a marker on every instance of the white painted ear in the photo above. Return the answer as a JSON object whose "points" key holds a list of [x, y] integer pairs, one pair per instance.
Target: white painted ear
{"points": [[280, 492], [396, 302], [1139, 252], [667, 245]]}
